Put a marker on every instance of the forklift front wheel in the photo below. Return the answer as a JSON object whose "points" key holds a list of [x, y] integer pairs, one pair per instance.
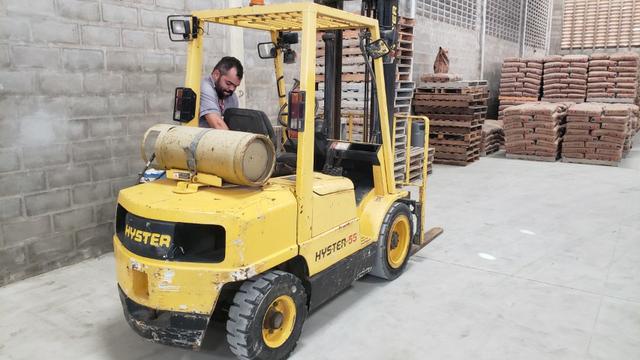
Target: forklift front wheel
{"points": [[394, 243], [265, 320]]}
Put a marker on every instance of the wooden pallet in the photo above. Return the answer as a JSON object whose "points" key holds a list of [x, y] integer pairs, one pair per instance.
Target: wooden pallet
{"points": [[454, 84], [452, 97], [451, 103], [465, 90], [434, 111], [459, 134], [456, 162], [469, 156], [346, 60], [457, 149], [404, 35], [345, 77], [590, 162], [454, 123], [453, 142], [406, 21], [474, 130], [453, 117], [532, 157], [440, 78]]}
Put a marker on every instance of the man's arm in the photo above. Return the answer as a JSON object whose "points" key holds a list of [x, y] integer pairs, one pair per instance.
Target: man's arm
{"points": [[215, 121]]}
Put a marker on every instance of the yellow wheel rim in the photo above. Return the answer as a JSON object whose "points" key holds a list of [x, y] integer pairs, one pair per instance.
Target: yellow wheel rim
{"points": [[398, 242], [279, 321]]}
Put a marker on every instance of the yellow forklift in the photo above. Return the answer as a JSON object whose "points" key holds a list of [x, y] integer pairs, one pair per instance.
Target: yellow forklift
{"points": [[223, 237]]}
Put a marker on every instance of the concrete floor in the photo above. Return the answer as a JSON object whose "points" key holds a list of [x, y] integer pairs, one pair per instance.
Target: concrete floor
{"points": [[538, 261]]}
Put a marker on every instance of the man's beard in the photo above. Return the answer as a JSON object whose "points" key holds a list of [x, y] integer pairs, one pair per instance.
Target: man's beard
{"points": [[221, 93]]}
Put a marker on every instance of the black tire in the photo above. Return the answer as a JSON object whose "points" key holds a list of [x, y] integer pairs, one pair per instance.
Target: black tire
{"points": [[397, 227], [248, 316]]}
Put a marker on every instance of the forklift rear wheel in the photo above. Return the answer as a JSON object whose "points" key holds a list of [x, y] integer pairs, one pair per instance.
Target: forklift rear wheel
{"points": [[265, 320], [394, 243]]}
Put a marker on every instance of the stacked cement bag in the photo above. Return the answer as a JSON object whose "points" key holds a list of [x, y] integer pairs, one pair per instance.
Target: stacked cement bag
{"points": [[635, 118], [601, 81], [521, 77], [613, 77], [565, 78], [633, 123], [597, 132], [492, 137], [626, 68], [534, 131]]}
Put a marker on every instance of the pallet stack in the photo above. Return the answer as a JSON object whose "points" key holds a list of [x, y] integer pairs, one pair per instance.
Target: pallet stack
{"points": [[614, 78], [597, 133], [353, 76], [565, 78], [456, 111], [404, 71], [534, 131], [492, 137]]}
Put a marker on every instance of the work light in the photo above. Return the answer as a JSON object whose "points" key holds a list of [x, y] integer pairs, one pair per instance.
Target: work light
{"points": [[182, 27], [179, 27]]}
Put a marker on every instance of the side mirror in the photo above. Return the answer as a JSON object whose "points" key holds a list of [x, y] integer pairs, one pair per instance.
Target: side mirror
{"points": [[182, 27], [267, 50], [378, 49]]}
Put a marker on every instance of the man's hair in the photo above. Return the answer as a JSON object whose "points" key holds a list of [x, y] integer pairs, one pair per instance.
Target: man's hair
{"points": [[227, 63]]}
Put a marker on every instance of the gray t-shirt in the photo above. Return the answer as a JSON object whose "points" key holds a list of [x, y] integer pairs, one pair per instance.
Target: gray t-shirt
{"points": [[210, 103]]}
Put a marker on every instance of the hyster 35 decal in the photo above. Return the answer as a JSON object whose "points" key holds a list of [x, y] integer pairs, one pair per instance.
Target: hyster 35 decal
{"points": [[336, 246]]}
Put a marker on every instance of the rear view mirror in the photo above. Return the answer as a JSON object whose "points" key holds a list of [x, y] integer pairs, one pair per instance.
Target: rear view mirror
{"points": [[267, 50], [377, 49]]}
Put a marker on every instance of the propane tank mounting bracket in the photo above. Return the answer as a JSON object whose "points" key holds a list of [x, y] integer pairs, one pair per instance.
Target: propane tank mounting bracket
{"points": [[189, 183], [183, 187]]}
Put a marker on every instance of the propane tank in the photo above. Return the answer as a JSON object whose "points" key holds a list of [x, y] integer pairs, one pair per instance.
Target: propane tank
{"points": [[236, 157]]}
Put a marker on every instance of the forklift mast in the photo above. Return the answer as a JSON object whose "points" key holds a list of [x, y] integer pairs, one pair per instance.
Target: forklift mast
{"points": [[386, 12]]}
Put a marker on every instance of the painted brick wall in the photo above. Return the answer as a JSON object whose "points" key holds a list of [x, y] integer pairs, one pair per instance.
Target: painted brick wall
{"points": [[80, 82]]}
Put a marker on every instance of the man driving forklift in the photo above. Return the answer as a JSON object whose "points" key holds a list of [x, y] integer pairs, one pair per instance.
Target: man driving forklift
{"points": [[218, 92]]}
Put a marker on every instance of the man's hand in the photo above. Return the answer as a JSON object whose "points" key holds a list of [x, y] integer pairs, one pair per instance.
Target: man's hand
{"points": [[215, 121]]}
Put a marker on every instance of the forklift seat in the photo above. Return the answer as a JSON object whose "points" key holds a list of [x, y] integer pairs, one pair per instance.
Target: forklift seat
{"points": [[257, 122], [248, 120]]}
